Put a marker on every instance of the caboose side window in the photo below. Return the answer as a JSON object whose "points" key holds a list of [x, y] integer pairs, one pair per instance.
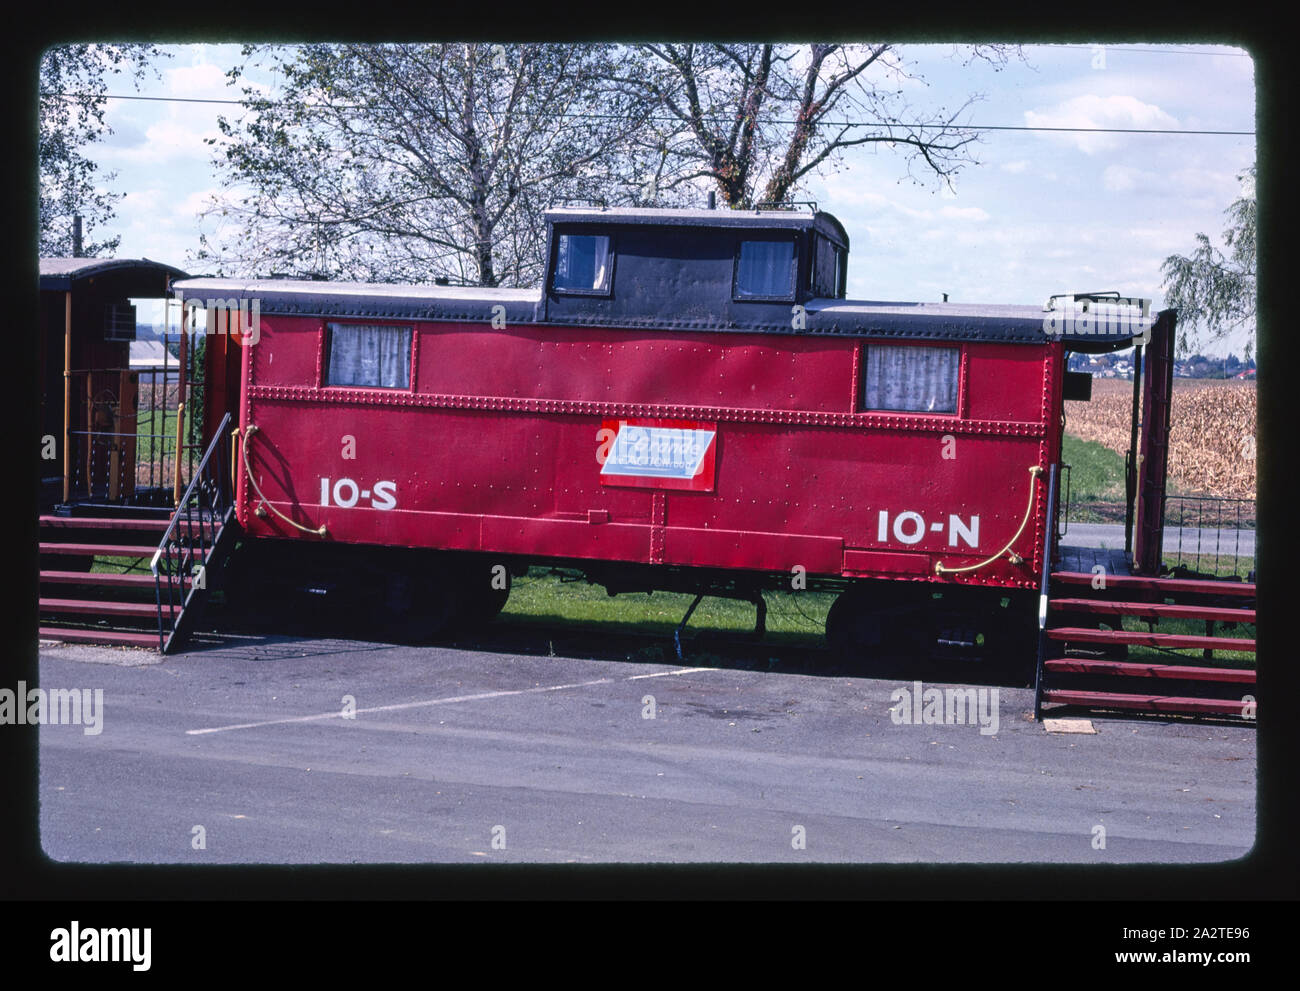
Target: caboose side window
{"points": [[910, 379], [370, 357], [827, 269], [765, 270], [582, 263]]}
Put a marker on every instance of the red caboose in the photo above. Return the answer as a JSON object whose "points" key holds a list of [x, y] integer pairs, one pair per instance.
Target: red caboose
{"points": [[688, 403]]}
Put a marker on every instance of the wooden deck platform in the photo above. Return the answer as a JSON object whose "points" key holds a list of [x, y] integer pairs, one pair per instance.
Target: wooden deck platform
{"points": [[1084, 559]]}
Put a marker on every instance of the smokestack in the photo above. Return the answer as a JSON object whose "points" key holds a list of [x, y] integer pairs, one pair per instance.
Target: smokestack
{"points": [[76, 235]]}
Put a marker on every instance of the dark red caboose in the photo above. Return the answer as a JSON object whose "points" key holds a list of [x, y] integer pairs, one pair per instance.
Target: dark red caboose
{"points": [[689, 402]]}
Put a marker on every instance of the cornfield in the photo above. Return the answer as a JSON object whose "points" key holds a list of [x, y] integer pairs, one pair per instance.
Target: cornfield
{"points": [[1212, 431]]}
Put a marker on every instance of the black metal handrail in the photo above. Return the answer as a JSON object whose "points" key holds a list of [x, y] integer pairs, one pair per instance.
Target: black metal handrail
{"points": [[192, 533], [1050, 531], [1064, 515]]}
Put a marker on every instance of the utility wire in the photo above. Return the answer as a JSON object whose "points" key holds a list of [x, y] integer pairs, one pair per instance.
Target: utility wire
{"points": [[827, 123]]}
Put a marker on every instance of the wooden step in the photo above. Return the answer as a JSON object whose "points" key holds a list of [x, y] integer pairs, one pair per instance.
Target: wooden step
{"points": [[110, 579], [104, 523], [1165, 586], [99, 550], [113, 637], [1152, 610], [101, 607], [1144, 639], [1149, 703], [1138, 669]]}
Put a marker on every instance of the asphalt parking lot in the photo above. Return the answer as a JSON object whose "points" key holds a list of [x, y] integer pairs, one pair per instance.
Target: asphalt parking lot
{"points": [[261, 748]]}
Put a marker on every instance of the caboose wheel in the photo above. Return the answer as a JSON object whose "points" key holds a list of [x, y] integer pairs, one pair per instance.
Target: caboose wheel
{"points": [[485, 595], [865, 623], [430, 607], [995, 627]]}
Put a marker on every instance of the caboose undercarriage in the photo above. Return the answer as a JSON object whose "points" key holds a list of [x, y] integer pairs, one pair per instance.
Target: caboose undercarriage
{"points": [[416, 595]]}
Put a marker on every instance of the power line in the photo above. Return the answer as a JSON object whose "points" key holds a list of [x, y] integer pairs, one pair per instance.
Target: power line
{"points": [[827, 123], [118, 96]]}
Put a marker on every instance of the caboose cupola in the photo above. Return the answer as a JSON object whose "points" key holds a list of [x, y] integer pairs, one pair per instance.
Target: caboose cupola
{"points": [[690, 268]]}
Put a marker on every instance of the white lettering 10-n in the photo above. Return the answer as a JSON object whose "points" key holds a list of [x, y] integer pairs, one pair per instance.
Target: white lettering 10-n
{"points": [[909, 527]]}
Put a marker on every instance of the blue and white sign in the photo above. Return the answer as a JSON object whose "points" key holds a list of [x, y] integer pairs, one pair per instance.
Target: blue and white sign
{"points": [[675, 454]]}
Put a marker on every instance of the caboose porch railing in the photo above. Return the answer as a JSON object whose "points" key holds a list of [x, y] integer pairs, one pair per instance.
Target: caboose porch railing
{"points": [[1045, 574], [193, 539], [1210, 535], [131, 435]]}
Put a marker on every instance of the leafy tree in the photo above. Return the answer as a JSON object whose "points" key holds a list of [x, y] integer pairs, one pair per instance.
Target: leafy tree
{"points": [[403, 163], [73, 85], [757, 119], [1213, 290]]}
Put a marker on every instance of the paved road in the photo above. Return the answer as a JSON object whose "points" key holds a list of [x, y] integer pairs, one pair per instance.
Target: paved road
{"points": [[553, 758], [1240, 543]]}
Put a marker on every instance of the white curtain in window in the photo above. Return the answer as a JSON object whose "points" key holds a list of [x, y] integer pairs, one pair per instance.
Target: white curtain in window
{"points": [[765, 268], [582, 262], [600, 252], [913, 379], [378, 357]]}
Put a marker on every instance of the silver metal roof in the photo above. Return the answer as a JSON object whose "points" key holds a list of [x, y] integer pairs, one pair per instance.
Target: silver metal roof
{"points": [[59, 273], [851, 308], [205, 288], [688, 217]]}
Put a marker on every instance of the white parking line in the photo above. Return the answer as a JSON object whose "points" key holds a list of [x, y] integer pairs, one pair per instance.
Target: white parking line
{"points": [[442, 701]]}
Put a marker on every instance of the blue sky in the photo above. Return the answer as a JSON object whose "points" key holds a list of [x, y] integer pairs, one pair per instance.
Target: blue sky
{"points": [[1042, 213]]}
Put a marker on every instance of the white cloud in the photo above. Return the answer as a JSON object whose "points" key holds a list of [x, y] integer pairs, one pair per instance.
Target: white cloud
{"points": [[878, 206], [203, 80], [1124, 178], [1015, 168], [166, 141], [963, 213], [1200, 188], [1092, 111], [142, 199], [197, 202]]}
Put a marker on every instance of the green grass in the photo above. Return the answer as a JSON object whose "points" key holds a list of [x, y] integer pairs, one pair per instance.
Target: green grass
{"points": [[119, 564], [1226, 565], [153, 422], [1096, 481], [1096, 472], [793, 618]]}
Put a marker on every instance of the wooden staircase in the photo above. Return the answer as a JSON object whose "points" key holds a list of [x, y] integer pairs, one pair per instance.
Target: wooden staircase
{"points": [[116, 604], [137, 577], [1084, 648]]}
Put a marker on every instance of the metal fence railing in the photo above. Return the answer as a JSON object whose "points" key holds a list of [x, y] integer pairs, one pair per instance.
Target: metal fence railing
{"points": [[1210, 535], [134, 433]]}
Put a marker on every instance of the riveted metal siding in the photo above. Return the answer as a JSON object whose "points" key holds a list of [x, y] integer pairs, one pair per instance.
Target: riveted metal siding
{"points": [[495, 449]]}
